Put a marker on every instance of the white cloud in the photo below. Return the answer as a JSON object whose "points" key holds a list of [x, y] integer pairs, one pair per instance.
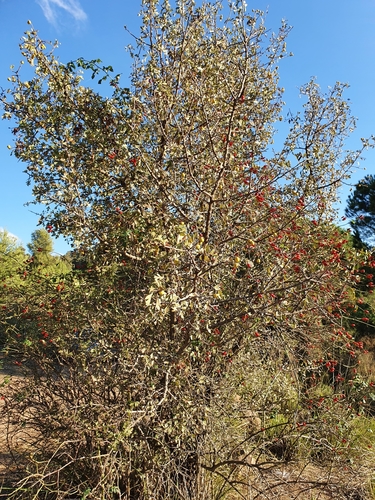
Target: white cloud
{"points": [[50, 8]]}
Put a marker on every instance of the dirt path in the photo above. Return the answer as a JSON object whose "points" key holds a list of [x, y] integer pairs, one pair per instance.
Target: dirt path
{"points": [[10, 452]]}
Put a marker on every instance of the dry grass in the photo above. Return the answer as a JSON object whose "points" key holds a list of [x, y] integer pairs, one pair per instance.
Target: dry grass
{"points": [[302, 482]]}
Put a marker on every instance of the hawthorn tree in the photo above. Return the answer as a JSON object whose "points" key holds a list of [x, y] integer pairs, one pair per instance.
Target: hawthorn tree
{"points": [[201, 345]]}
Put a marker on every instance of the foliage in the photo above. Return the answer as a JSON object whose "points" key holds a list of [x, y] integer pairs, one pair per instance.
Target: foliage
{"points": [[12, 255], [24, 278], [208, 313], [358, 308], [361, 207], [12, 259]]}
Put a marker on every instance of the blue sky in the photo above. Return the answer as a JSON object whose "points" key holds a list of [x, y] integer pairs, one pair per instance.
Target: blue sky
{"points": [[331, 40]]}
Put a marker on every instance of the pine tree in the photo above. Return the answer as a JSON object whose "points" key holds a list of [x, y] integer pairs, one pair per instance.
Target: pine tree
{"points": [[361, 207]]}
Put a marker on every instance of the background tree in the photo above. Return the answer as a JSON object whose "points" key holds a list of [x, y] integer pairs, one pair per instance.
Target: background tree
{"points": [[12, 255], [41, 249], [12, 260], [361, 207], [202, 345]]}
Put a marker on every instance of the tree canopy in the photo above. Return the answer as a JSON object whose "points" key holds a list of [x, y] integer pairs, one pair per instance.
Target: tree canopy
{"points": [[215, 284], [361, 207]]}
